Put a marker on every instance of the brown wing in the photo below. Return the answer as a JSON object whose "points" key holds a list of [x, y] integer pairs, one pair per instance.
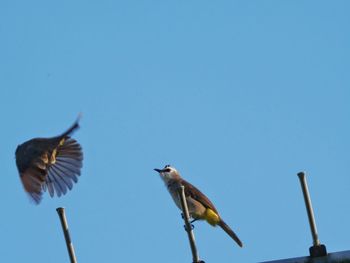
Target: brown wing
{"points": [[195, 193], [32, 180], [64, 169], [31, 160]]}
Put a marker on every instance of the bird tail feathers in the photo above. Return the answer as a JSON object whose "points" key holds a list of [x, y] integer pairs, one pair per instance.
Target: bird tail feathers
{"points": [[230, 232], [72, 128]]}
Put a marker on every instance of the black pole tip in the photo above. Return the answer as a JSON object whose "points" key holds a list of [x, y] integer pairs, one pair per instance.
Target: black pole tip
{"points": [[59, 209], [301, 174]]}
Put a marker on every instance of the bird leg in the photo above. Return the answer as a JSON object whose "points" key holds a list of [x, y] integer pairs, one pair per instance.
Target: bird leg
{"points": [[192, 226], [193, 220]]}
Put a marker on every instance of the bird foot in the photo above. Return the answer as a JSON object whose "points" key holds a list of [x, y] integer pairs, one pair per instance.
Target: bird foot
{"points": [[188, 230], [183, 217]]}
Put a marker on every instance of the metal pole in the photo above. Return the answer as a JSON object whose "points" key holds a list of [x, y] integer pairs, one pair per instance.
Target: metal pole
{"points": [[317, 249], [310, 212], [70, 248], [188, 226]]}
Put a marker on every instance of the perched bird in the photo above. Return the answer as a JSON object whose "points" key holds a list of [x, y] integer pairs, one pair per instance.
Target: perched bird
{"points": [[51, 164], [199, 206]]}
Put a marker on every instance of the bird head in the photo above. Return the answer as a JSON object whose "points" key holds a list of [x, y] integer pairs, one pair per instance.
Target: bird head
{"points": [[168, 173]]}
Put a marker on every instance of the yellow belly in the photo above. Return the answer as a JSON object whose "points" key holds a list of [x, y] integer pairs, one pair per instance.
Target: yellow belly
{"points": [[211, 217]]}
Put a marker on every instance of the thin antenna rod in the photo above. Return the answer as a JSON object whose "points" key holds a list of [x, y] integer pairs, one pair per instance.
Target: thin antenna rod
{"points": [[317, 249], [310, 212], [188, 226], [70, 248]]}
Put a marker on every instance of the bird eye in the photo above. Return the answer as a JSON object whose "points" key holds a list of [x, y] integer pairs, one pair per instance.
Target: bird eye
{"points": [[168, 170]]}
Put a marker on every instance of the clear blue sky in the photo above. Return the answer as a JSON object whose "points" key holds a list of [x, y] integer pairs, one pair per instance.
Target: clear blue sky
{"points": [[239, 96]]}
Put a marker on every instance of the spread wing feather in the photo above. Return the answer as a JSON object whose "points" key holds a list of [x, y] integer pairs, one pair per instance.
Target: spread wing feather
{"points": [[32, 183], [66, 169]]}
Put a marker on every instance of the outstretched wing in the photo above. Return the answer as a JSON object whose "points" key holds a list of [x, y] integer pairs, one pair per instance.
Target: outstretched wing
{"points": [[49, 164], [64, 168], [32, 180]]}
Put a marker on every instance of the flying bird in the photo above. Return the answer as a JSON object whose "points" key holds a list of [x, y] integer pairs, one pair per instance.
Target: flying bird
{"points": [[51, 164], [199, 206]]}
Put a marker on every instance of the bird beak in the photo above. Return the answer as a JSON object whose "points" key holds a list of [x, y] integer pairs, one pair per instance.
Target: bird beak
{"points": [[158, 170]]}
